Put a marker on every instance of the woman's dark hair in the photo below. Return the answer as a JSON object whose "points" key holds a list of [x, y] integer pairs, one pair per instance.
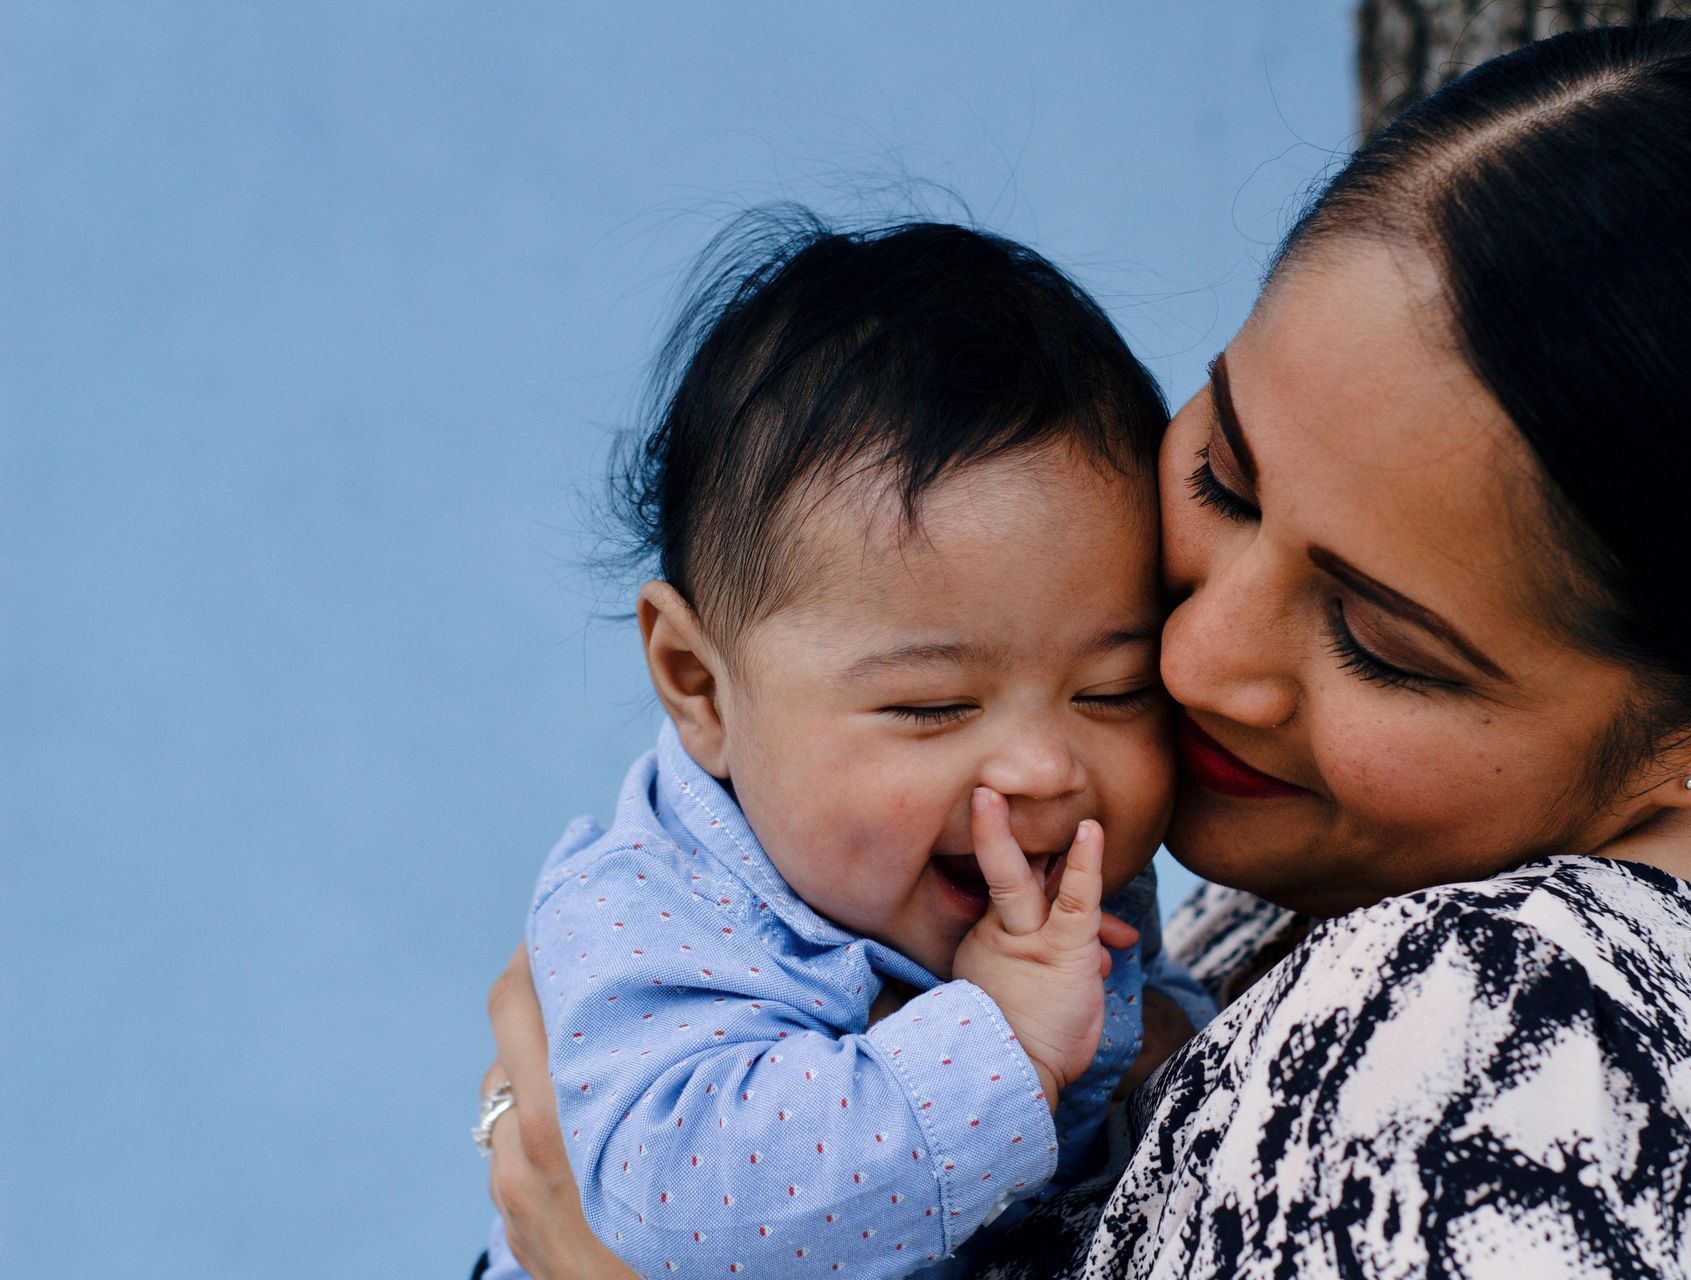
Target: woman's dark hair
{"points": [[1552, 189], [811, 356]]}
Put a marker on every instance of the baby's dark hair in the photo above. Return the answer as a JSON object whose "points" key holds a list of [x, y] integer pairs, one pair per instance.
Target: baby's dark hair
{"points": [[904, 352]]}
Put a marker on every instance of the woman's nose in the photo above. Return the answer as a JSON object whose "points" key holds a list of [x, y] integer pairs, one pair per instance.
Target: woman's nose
{"points": [[1228, 649], [1033, 762]]}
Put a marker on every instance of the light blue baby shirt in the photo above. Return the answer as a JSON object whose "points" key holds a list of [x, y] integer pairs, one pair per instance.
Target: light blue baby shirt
{"points": [[726, 1105]]}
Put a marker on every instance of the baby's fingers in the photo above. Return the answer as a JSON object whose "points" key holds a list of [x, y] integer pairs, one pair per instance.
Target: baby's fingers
{"points": [[1115, 932], [1075, 915], [1015, 890]]}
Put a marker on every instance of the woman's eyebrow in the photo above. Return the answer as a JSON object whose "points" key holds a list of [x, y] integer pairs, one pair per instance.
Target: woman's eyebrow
{"points": [[1396, 602], [1221, 396]]}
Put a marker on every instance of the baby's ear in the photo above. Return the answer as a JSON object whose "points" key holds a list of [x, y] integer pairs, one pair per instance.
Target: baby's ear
{"points": [[687, 673]]}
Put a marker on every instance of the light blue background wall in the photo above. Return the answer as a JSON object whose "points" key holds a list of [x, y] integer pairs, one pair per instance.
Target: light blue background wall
{"points": [[315, 319]]}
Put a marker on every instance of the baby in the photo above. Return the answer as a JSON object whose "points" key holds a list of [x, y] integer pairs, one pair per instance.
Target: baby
{"points": [[834, 989]]}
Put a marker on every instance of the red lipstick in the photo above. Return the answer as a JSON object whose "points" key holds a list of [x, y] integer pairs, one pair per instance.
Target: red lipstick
{"points": [[1217, 768]]}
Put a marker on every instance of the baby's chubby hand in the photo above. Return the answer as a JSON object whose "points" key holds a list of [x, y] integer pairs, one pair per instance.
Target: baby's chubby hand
{"points": [[1043, 963]]}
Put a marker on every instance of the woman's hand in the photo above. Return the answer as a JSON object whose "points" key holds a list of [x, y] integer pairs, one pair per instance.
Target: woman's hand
{"points": [[529, 1177]]}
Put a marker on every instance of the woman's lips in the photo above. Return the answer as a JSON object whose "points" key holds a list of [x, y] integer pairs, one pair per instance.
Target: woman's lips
{"points": [[1217, 768]]}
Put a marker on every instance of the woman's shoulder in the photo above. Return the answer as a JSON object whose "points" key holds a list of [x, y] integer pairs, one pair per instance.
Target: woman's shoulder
{"points": [[1219, 934], [1562, 985], [1594, 889], [1620, 930], [1625, 926], [1559, 990]]}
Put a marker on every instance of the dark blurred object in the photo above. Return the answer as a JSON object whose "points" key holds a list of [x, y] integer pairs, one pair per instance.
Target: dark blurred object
{"points": [[1407, 48]]}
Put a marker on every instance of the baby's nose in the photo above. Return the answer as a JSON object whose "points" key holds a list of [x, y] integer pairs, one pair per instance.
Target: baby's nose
{"points": [[1034, 766]]}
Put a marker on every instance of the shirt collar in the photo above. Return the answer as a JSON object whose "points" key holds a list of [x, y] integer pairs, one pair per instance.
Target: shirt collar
{"points": [[716, 825]]}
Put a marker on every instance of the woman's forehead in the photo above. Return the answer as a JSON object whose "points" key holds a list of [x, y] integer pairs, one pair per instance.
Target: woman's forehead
{"points": [[1354, 319], [1350, 360], [1373, 438]]}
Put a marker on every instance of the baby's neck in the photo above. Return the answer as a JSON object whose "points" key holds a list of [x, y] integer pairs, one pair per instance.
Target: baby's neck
{"points": [[894, 996]]}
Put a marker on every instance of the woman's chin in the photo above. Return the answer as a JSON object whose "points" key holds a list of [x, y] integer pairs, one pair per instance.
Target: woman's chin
{"points": [[1224, 841]]}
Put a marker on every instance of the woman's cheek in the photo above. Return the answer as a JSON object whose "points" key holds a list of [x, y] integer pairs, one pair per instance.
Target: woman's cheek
{"points": [[1407, 771], [1185, 550]]}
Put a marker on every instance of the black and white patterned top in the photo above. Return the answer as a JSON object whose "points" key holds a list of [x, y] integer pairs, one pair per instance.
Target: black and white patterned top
{"points": [[1477, 1080]]}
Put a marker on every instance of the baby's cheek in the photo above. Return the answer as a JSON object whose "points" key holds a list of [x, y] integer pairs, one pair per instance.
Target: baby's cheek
{"points": [[885, 845], [875, 835], [1144, 799]]}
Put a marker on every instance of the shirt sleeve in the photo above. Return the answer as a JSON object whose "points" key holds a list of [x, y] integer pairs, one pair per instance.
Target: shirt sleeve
{"points": [[718, 1122], [1418, 1092]]}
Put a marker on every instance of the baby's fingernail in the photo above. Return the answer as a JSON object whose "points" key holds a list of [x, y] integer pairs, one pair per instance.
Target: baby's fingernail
{"points": [[982, 799]]}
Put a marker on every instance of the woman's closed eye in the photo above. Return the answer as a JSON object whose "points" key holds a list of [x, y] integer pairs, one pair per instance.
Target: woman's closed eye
{"points": [[1210, 492], [1343, 645]]}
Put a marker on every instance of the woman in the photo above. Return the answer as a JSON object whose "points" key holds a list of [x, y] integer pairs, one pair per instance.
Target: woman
{"points": [[1425, 532]]}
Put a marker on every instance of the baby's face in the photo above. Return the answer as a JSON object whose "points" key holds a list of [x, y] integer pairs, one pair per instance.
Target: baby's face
{"points": [[1011, 643]]}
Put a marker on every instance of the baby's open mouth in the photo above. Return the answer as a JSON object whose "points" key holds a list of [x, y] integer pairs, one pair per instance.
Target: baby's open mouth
{"points": [[963, 873]]}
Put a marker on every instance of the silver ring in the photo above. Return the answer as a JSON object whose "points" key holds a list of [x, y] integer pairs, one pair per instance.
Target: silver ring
{"points": [[496, 1103]]}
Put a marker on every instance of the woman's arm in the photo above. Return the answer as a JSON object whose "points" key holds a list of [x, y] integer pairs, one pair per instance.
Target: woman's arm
{"points": [[529, 1176]]}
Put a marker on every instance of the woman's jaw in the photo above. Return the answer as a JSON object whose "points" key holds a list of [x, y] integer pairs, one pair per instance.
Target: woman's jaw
{"points": [[1283, 850]]}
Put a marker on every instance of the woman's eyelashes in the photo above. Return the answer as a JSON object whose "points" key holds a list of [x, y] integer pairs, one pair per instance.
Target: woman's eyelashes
{"points": [[1343, 645], [1210, 492]]}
